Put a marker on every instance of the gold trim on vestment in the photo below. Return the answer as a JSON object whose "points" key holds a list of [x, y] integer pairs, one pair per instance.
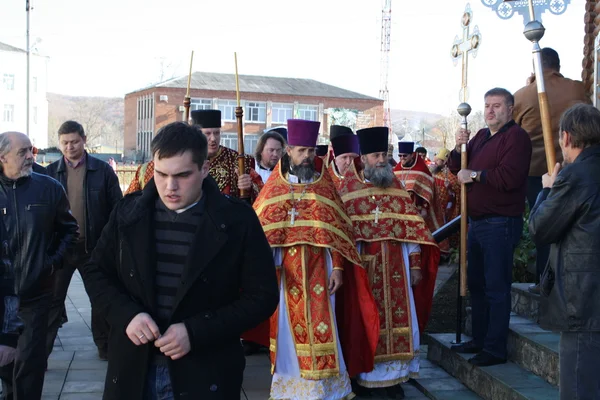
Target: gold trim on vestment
{"points": [[391, 382], [309, 223], [307, 196], [384, 215], [374, 191]]}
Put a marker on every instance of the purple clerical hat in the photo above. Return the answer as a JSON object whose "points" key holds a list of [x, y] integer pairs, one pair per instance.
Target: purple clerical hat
{"points": [[406, 147], [303, 133], [345, 144]]}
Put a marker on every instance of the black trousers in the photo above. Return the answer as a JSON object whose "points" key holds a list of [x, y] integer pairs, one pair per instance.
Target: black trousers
{"points": [[24, 378], [58, 314]]}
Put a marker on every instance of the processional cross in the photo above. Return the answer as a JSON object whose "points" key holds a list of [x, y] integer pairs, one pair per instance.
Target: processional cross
{"points": [[377, 211], [293, 214], [462, 47]]}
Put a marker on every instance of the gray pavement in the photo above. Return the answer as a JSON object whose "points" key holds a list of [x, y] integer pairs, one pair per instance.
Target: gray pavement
{"points": [[75, 372]]}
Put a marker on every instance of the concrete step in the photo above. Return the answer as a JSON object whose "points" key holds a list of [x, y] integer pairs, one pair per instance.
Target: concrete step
{"points": [[534, 348], [506, 381], [524, 303]]}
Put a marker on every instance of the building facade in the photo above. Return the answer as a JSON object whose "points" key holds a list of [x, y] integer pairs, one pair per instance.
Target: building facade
{"points": [[13, 94], [267, 102]]}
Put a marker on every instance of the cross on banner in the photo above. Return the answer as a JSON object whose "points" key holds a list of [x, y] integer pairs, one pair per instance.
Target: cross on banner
{"points": [[462, 47], [505, 9]]}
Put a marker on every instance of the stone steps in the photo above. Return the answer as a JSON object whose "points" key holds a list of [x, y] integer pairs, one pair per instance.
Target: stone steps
{"points": [[505, 381], [524, 303]]}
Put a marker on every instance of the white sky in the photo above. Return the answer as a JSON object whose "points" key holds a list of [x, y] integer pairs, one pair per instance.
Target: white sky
{"points": [[112, 47]]}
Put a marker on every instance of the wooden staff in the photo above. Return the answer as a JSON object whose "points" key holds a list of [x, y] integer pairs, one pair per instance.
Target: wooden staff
{"points": [[464, 109], [187, 101], [534, 31], [239, 114]]}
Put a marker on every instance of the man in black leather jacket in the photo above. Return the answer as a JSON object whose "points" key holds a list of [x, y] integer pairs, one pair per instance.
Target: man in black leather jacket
{"points": [[93, 191], [567, 216], [37, 230]]}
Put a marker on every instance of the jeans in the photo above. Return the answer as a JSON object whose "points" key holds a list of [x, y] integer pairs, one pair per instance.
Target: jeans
{"points": [[23, 379], [579, 353], [534, 187], [491, 244], [158, 383], [58, 314]]}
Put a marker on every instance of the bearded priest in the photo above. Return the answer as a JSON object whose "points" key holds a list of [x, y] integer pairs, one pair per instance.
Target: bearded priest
{"points": [[401, 259], [313, 246]]}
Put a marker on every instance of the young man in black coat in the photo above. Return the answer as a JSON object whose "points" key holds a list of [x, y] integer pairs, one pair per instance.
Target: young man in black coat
{"points": [[566, 216], [180, 271]]}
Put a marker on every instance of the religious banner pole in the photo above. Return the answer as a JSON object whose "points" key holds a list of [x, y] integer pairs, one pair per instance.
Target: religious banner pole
{"points": [[469, 43], [534, 31], [239, 114], [187, 101]]}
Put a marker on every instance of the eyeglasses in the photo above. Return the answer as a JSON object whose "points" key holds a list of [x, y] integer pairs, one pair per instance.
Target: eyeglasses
{"points": [[403, 155]]}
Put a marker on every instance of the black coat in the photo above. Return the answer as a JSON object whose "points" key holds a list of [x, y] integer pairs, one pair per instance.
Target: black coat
{"points": [[568, 217], [102, 192], [228, 286]]}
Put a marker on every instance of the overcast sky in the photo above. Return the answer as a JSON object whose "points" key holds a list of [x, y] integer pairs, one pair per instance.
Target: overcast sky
{"points": [[112, 47]]}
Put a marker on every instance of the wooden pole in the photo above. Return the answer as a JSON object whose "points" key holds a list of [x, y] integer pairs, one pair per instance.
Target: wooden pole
{"points": [[239, 114], [464, 109], [187, 101]]}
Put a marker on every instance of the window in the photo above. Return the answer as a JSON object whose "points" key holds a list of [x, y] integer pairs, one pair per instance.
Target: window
{"points": [[9, 81], [255, 111], [9, 113], [200, 104], [281, 113], [34, 84], [227, 108], [34, 116], [231, 140], [308, 112]]}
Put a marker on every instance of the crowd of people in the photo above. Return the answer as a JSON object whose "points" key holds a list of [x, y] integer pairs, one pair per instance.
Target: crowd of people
{"points": [[327, 260]]}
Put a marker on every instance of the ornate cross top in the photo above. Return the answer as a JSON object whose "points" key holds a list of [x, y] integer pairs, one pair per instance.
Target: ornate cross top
{"points": [[293, 214], [377, 211], [507, 8], [462, 47]]}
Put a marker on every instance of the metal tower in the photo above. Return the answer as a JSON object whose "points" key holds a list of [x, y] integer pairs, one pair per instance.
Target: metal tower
{"points": [[386, 27]]}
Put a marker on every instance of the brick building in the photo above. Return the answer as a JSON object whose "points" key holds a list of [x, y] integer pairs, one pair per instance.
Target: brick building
{"points": [[267, 102]]}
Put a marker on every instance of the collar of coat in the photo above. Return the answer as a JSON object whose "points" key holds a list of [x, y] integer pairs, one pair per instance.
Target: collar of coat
{"points": [[143, 203]]}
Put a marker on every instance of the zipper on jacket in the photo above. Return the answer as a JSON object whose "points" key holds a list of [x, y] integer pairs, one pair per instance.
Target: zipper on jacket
{"points": [[17, 269]]}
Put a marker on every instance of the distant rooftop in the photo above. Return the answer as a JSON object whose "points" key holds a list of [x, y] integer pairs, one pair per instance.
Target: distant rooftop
{"points": [[8, 47], [260, 84]]}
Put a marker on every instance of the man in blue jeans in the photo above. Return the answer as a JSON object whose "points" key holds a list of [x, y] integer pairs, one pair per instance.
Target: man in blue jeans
{"points": [[567, 217], [496, 177]]}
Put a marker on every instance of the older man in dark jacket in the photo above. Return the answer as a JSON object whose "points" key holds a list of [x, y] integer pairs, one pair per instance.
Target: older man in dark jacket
{"points": [[93, 191], [36, 230], [180, 272], [567, 216]]}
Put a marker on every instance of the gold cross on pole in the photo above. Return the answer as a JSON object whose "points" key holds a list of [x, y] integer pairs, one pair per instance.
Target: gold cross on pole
{"points": [[462, 47]]}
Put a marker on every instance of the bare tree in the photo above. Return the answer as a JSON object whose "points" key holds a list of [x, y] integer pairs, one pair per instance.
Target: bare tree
{"points": [[448, 126]]}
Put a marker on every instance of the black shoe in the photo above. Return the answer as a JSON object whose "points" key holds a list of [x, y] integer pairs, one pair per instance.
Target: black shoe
{"points": [[467, 348], [103, 353], [360, 391], [534, 289], [485, 359]]}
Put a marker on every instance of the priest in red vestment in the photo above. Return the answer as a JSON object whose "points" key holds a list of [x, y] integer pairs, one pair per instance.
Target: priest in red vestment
{"points": [[344, 144], [447, 193], [401, 259], [322, 332], [413, 173], [223, 161]]}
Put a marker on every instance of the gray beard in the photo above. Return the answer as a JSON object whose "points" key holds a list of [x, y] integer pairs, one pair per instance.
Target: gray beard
{"points": [[435, 169], [304, 173], [380, 177]]}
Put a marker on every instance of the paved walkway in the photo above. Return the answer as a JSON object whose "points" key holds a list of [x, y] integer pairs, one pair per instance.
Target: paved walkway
{"points": [[75, 372]]}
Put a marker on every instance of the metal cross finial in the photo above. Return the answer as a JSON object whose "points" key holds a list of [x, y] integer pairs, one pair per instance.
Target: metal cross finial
{"points": [[462, 47]]}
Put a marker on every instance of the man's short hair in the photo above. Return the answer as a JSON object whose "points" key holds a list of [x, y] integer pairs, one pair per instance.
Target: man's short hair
{"points": [[550, 59], [509, 99], [421, 150], [262, 141], [582, 121], [178, 137], [71, 127]]}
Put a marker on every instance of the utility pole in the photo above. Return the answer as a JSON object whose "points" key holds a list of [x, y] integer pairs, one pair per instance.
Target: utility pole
{"points": [[27, 9], [386, 27]]}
